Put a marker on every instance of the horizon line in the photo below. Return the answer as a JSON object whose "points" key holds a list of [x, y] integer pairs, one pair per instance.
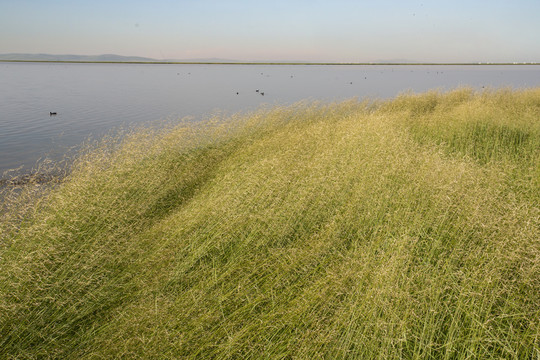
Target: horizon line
{"points": [[165, 62]]}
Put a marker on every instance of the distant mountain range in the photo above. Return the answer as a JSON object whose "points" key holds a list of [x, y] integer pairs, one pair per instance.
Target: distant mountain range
{"points": [[120, 58], [139, 59], [51, 57], [98, 58]]}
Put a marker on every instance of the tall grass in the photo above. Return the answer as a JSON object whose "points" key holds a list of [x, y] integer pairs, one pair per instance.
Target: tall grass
{"points": [[400, 229]]}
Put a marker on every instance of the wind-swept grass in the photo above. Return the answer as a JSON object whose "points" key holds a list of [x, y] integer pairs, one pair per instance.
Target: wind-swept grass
{"points": [[400, 229]]}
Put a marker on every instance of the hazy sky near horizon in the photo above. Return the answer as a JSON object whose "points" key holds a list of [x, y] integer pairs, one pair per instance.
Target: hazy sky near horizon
{"points": [[310, 30]]}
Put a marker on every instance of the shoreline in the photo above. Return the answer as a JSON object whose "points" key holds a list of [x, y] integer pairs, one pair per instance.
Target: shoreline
{"points": [[265, 63]]}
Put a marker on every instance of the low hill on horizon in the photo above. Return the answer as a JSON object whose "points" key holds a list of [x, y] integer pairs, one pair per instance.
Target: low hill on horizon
{"points": [[70, 57], [121, 58]]}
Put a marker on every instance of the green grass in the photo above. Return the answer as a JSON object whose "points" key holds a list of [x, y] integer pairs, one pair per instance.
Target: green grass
{"points": [[359, 230]]}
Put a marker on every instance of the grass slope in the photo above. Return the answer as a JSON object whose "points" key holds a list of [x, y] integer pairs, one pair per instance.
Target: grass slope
{"points": [[401, 229]]}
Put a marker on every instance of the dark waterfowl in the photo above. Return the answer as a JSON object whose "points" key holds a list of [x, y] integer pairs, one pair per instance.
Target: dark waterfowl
{"points": [[51, 113]]}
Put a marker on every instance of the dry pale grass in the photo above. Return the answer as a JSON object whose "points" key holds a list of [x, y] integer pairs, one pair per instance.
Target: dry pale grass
{"points": [[399, 229]]}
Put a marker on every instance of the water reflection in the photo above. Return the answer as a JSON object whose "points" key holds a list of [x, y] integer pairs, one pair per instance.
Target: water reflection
{"points": [[49, 107]]}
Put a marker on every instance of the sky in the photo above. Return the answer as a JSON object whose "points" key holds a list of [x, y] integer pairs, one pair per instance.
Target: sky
{"points": [[277, 30]]}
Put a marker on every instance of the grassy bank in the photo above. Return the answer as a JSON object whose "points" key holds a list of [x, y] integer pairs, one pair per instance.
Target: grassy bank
{"points": [[400, 229]]}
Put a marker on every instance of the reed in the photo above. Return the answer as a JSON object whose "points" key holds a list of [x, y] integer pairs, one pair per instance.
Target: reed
{"points": [[378, 229]]}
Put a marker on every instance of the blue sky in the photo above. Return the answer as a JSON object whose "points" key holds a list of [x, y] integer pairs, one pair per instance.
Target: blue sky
{"points": [[311, 30]]}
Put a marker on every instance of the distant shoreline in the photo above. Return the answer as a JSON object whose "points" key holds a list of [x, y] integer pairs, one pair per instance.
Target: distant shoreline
{"points": [[256, 63]]}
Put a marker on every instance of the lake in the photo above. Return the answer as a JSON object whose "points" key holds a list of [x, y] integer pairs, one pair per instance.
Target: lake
{"points": [[91, 99]]}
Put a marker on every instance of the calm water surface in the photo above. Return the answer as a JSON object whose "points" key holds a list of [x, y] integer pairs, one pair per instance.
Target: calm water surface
{"points": [[91, 99]]}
